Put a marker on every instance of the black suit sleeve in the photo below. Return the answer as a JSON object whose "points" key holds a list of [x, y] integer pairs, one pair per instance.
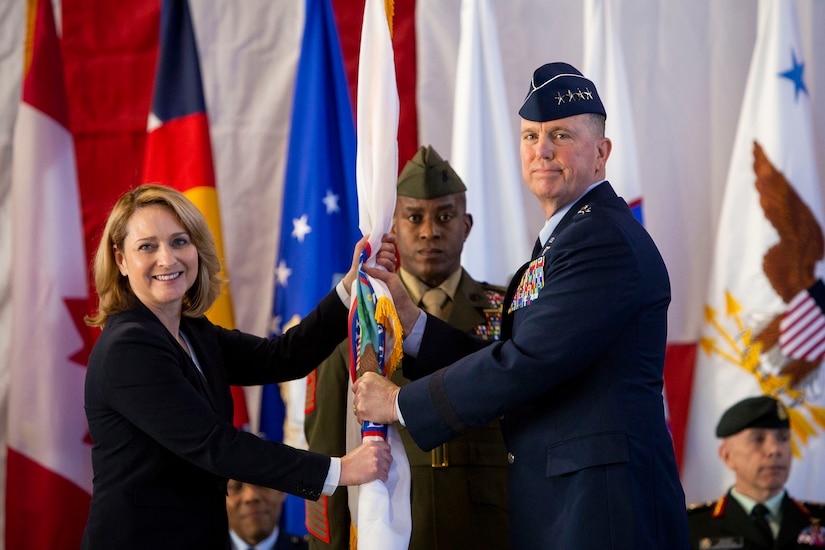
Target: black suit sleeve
{"points": [[441, 345]]}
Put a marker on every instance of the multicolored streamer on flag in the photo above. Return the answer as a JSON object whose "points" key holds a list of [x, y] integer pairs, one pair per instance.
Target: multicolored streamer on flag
{"points": [[374, 327], [382, 514]]}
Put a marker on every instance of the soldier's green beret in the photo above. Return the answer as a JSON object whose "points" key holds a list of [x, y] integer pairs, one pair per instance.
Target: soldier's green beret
{"points": [[753, 412], [428, 176]]}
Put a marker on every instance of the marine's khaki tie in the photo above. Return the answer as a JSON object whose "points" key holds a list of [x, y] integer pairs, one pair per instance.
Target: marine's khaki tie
{"points": [[434, 301]]}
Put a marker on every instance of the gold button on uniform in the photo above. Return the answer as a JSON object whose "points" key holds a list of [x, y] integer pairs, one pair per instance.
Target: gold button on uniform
{"points": [[511, 458]]}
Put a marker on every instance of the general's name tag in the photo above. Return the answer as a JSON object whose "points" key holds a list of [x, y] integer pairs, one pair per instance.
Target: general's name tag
{"points": [[532, 281]]}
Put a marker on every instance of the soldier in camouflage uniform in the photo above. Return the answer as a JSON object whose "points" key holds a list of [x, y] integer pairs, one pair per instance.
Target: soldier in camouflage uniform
{"points": [[459, 490]]}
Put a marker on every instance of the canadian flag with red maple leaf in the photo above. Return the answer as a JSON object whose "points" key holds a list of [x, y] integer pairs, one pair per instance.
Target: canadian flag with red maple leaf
{"points": [[49, 475]]}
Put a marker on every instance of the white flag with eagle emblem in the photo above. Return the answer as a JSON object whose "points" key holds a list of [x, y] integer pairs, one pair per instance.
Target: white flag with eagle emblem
{"points": [[763, 331]]}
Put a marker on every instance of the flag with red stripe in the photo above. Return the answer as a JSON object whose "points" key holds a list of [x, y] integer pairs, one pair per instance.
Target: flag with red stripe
{"points": [[49, 470], [802, 329], [178, 147]]}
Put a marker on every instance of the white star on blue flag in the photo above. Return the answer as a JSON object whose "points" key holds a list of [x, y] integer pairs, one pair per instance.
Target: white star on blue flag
{"points": [[331, 202]]}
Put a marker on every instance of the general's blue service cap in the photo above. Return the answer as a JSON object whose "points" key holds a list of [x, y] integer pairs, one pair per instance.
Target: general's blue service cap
{"points": [[559, 90]]}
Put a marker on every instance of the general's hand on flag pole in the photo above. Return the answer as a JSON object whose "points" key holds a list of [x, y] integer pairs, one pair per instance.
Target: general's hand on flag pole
{"points": [[375, 399], [406, 309]]}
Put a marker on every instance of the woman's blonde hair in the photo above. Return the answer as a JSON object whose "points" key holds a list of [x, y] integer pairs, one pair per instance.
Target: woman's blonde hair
{"points": [[113, 289]]}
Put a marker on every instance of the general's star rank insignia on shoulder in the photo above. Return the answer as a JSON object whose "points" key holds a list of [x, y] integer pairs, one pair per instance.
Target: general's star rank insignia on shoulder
{"points": [[532, 281]]}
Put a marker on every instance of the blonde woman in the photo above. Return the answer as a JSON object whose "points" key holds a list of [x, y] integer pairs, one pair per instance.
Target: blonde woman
{"points": [[157, 387]]}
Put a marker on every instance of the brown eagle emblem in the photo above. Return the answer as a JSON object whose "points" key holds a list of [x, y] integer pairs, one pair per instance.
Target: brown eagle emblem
{"points": [[790, 264]]}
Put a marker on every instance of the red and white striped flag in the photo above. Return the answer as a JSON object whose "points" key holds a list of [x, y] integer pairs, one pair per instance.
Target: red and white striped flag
{"points": [[770, 253], [802, 329], [49, 474]]}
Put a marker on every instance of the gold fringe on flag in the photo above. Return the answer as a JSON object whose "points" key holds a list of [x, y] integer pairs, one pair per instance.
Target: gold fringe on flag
{"points": [[386, 316]]}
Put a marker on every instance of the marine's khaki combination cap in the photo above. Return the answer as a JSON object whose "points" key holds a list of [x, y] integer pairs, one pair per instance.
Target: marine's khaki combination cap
{"points": [[428, 176]]}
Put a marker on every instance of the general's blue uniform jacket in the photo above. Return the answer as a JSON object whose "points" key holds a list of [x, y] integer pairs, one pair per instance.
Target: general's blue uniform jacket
{"points": [[578, 380]]}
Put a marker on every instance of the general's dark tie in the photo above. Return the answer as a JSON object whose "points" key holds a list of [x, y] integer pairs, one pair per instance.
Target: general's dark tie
{"points": [[536, 248], [759, 515]]}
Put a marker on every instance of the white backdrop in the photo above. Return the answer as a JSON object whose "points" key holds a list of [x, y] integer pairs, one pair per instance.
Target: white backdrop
{"points": [[687, 61]]}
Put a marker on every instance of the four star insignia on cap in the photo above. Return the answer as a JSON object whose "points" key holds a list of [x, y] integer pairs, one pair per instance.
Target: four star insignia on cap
{"points": [[570, 96], [578, 95]]}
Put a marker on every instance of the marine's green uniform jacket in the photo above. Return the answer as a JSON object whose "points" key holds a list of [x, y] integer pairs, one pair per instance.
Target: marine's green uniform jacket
{"points": [[459, 491], [724, 524]]}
